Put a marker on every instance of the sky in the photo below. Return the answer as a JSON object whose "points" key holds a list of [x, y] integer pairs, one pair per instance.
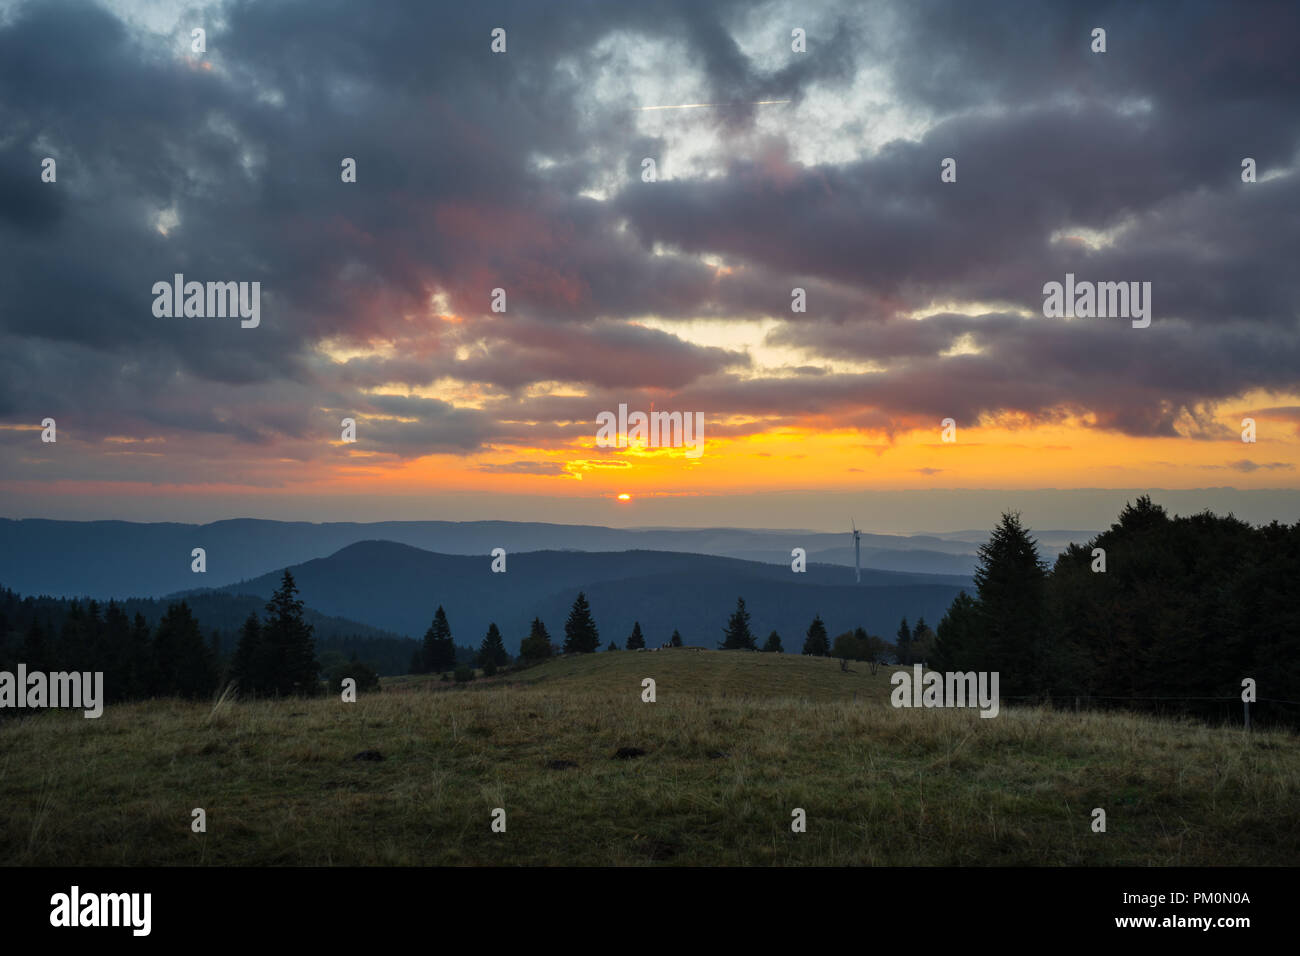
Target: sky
{"points": [[776, 169]]}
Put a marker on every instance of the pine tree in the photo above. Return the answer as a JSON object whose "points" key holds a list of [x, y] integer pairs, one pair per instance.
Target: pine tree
{"points": [[904, 643], [635, 640], [492, 652], [438, 652], [183, 664], [35, 648], [117, 639], [923, 639], [246, 670], [773, 645], [1011, 582], [816, 644], [676, 639], [537, 645], [580, 634], [612, 646], [957, 643], [737, 634], [143, 683], [291, 665]]}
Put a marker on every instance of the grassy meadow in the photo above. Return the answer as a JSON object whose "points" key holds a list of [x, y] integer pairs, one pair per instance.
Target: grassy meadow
{"points": [[733, 744]]}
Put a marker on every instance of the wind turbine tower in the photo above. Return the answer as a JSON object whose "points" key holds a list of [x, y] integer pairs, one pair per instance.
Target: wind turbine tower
{"points": [[857, 552]]}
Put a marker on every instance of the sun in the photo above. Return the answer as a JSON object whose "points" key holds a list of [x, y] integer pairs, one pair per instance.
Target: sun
{"points": [[624, 497]]}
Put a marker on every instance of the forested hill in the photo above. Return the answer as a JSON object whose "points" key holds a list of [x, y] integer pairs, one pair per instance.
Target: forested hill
{"points": [[397, 587], [217, 613]]}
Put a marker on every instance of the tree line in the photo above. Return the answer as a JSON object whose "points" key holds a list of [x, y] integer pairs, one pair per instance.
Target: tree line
{"points": [[582, 636], [1154, 607], [275, 655]]}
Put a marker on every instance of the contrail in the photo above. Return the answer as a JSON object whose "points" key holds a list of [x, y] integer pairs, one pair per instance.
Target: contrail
{"points": [[702, 106]]}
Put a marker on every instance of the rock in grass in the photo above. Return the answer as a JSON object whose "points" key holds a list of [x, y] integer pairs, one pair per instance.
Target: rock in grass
{"points": [[627, 753], [369, 755]]}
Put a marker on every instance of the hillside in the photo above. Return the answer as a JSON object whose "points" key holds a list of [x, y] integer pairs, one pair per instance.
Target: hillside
{"points": [[690, 673], [715, 784], [397, 588], [111, 558]]}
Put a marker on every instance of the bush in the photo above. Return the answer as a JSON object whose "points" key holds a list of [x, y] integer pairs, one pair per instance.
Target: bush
{"points": [[489, 668], [367, 680], [464, 674]]}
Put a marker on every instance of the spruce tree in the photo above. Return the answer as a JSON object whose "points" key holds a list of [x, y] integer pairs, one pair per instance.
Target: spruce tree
{"points": [[35, 648], [904, 643], [183, 663], [292, 667], [957, 643], [816, 644], [676, 639], [143, 683], [1011, 582], [117, 637], [636, 639], [492, 652], [737, 634], [537, 645], [612, 646], [439, 650], [580, 634], [246, 668], [773, 645]]}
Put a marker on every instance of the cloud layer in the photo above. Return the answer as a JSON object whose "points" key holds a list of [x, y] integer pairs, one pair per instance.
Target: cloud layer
{"points": [[522, 171]]}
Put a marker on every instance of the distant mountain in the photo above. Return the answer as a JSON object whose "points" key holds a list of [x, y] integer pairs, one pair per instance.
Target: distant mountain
{"points": [[113, 558], [397, 587]]}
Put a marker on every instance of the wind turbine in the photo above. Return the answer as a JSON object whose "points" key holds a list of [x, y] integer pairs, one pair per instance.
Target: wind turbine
{"points": [[857, 550]]}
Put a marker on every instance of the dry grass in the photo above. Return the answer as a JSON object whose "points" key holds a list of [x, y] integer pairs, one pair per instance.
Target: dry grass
{"points": [[733, 744]]}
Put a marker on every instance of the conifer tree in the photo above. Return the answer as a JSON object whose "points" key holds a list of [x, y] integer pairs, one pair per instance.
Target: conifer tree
{"points": [[580, 634], [117, 641], [35, 647], [537, 645], [492, 652], [636, 639], [773, 645], [246, 668], [737, 634], [142, 682], [439, 650], [182, 662], [676, 639], [291, 665], [612, 646], [904, 643], [815, 643], [1011, 582]]}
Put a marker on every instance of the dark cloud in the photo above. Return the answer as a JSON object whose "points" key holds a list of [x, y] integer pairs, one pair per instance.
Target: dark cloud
{"points": [[478, 171]]}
